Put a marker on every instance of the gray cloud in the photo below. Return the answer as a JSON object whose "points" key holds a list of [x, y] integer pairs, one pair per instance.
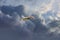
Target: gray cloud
{"points": [[12, 28], [25, 29]]}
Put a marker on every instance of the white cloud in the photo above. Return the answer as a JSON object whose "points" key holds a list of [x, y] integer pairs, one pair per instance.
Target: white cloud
{"points": [[55, 30], [50, 17], [58, 14]]}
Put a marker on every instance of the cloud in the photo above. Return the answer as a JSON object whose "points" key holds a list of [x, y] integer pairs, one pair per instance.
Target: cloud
{"points": [[44, 12], [58, 14], [23, 28], [54, 27]]}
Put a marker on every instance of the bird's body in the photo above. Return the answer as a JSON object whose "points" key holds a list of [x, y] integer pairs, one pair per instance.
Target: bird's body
{"points": [[28, 18]]}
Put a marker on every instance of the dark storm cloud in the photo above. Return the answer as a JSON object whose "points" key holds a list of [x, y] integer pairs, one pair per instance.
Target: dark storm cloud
{"points": [[11, 10]]}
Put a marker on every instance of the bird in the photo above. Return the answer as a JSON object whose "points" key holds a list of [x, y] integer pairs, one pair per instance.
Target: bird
{"points": [[27, 18]]}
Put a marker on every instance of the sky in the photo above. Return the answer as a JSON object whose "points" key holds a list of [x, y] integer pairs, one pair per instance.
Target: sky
{"points": [[45, 26]]}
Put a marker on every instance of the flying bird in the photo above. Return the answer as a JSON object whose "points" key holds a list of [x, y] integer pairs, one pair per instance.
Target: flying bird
{"points": [[27, 18]]}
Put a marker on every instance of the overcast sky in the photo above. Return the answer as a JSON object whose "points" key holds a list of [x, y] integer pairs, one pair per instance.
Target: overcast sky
{"points": [[44, 11]]}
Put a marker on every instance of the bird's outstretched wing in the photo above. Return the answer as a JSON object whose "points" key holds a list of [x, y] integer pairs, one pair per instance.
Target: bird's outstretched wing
{"points": [[26, 18]]}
